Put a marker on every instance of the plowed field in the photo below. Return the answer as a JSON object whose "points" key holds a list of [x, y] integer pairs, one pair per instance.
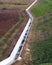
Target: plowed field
{"points": [[7, 19], [12, 23], [13, 19]]}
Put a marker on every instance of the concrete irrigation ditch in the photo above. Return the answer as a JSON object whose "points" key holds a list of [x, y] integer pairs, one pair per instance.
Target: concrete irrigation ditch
{"points": [[15, 55]]}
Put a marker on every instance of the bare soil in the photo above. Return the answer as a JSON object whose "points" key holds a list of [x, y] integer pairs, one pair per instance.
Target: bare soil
{"points": [[8, 18]]}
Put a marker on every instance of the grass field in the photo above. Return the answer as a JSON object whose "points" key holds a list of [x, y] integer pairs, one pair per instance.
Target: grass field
{"points": [[41, 33], [47, 64], [39, 42], [42, 7]]}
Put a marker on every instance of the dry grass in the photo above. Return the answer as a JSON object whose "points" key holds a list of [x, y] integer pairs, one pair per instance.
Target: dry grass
{"points": [[18, 1]]}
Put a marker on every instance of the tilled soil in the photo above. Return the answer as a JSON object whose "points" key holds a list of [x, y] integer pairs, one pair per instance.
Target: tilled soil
{"points": [[8, 18]]}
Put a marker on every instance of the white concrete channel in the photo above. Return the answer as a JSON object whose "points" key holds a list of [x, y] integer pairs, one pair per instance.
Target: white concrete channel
{"points": [[15, 55]]}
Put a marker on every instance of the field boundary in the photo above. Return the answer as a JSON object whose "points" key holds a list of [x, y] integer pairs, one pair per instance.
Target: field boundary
{"points": [[15, 55]]}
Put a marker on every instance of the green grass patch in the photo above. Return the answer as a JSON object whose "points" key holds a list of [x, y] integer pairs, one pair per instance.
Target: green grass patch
{"points": [[46, 64], [41, 41], [41, 51], [41, 48], [42, 7]]}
